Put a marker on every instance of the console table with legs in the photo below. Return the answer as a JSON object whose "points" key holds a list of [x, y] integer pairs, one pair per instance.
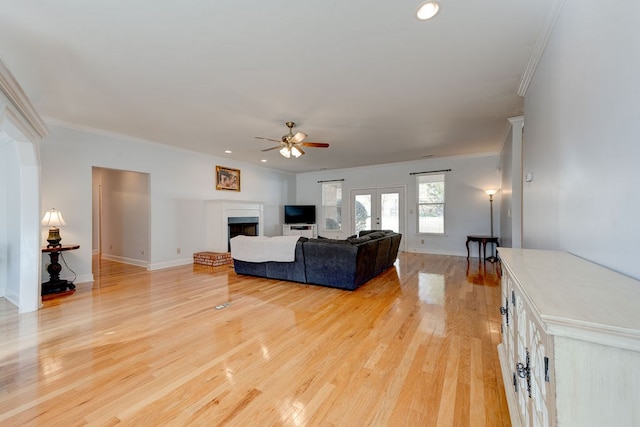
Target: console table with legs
{"points": [[55, 284], [482, 244]]}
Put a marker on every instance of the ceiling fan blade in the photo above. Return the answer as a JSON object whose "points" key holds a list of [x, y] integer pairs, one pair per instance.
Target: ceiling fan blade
{"points": [[268, 139], [302, 153], [315, 144], [272, 148], [298, 137]]}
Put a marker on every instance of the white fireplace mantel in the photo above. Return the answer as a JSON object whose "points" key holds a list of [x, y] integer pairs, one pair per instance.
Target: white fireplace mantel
{"points": [[217, 214]]}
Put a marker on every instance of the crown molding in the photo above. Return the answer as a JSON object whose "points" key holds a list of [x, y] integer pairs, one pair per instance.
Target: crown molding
{"points": [[515, 120], [30, 121], [544, 32]]}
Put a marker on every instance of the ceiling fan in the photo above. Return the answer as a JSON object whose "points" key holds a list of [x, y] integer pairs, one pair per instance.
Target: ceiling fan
{"points": [[290, 144]]}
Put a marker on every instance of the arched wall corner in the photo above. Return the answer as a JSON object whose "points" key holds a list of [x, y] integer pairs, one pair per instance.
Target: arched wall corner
{"points": [[21, 129]]}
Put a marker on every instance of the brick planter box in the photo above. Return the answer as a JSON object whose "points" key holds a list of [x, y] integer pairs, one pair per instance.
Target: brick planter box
{"points": [[213, 259]]}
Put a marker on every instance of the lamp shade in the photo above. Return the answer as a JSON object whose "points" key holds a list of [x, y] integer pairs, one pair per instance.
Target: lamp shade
{"points": [[53, 218], [286, 152], [296, 152], [491, 191]]}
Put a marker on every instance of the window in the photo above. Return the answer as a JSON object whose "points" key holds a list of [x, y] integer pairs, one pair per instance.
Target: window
{"points": [[332, 206], [431, 203]]}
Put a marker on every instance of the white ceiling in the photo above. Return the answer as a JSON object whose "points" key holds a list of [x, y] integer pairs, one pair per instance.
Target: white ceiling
{"points": [[363, 75]]}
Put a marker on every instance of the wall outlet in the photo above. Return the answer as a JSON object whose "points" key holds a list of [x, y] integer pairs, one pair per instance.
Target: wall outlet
{"points": [[178, 250]]}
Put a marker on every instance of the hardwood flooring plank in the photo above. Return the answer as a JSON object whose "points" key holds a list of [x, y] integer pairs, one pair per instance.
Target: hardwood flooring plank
{"points": [[415, 346]]}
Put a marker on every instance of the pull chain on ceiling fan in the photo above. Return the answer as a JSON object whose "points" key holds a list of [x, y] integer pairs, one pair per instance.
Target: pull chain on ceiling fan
{"points": [[291, 144]]}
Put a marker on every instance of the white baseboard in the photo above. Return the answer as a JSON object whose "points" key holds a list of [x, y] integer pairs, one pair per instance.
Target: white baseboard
{"points": [[12, 297], [437, 252], [147, 265], [83, 278], [169, 264], [130, 261]]}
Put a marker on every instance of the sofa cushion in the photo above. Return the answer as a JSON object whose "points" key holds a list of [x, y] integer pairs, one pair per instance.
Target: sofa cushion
{"points": [[376, 235], [329, 241], [357, 240]]}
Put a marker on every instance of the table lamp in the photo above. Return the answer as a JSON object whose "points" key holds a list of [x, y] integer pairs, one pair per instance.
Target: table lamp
{"points": [[53, 219]]}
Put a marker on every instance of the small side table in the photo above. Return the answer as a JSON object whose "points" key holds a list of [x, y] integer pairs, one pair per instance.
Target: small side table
{"points": [[482, 243], [55, 284]]}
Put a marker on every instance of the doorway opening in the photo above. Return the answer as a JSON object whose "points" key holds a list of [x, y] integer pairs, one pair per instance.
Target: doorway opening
{"points": [[121, 216]]}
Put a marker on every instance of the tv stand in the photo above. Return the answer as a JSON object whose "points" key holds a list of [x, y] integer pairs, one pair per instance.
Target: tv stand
{"points": [[304, 230]]}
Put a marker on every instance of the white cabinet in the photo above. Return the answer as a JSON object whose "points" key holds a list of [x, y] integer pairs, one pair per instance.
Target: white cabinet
{"points": [[304, 230], [570, 350]]}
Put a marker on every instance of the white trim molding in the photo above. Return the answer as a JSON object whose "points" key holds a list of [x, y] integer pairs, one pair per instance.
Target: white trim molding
{"points": [[30, 122], [546, 27], [22, 127]]}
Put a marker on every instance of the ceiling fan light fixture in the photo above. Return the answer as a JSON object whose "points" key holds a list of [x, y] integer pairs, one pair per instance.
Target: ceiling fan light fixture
{"points": [[428, 10], [286, 152], [291, 144], [298, 137], [296, 152]]}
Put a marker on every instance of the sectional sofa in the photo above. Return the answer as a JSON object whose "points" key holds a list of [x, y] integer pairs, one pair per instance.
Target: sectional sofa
{"points": [[345, 264]]}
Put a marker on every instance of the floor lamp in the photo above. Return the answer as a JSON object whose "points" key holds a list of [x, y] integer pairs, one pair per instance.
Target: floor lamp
{"points": [[491, 192]]}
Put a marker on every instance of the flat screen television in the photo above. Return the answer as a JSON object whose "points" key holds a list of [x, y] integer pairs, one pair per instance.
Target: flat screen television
{"points": [[299, 214]]}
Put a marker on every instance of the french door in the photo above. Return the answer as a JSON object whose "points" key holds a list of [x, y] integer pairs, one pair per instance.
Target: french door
{"points": [[378, 209]]}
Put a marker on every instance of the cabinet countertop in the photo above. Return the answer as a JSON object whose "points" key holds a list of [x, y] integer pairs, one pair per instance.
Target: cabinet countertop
{"points": [[576, 298]]}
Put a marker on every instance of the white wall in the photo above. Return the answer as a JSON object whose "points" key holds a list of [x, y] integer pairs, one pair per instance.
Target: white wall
{"points": [[581, 142], [180, 181], [467, 205]]}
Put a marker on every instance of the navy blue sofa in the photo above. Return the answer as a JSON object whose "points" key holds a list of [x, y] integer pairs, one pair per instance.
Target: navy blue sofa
{"points": [[345, 264]]}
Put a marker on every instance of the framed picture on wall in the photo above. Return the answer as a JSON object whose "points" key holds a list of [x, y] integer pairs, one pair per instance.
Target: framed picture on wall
{"points": [[227, 178]]}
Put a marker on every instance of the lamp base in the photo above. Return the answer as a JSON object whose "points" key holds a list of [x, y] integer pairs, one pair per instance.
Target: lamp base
{"points": [[55, 284], [54, 238]]}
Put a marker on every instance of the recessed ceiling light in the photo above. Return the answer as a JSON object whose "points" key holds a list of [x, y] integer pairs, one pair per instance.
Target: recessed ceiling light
{"points": [[228, 151], [264, 160], [428, 10]]}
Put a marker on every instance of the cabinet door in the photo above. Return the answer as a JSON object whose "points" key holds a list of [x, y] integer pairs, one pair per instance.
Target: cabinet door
{"points": [[508, 317], [541, 373], [521, 357], [533, 368]]}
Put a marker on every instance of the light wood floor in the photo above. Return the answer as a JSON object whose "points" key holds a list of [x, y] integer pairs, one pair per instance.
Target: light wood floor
{"points": [[415, 346]]}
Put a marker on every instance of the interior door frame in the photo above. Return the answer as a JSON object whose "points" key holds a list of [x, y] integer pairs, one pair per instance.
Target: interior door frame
{"points": [[376, 192]]}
